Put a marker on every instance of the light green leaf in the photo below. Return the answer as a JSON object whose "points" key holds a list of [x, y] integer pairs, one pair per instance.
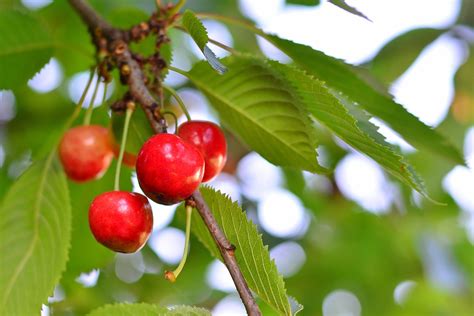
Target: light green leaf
{"points": [[349, 122], [35, 232], [25, 47], [259, 107], [344, 6], [340, 76], [195, 28], [143, 309], [198, 33], [398, 55], [251, 254]]}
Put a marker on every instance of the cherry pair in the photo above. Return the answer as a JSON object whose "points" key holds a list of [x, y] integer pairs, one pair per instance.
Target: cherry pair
{"points": [[171, 167], [122, 221]]}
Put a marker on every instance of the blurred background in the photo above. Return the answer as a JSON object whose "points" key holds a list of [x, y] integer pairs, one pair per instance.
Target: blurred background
{"points": [[355, 242]]}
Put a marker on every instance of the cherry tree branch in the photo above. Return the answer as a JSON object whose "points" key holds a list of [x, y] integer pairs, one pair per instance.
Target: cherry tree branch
{"points": [[117, 46]]}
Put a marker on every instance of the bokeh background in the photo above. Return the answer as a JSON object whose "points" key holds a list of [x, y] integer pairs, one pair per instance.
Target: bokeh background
{"points": [[355, 242]]}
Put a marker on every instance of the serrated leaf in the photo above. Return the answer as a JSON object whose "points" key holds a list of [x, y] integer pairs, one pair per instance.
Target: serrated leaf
{"points": [[142, 309], [195, 28], [25, 47], [349, 122], [35, 229], [398, 54], [339, 76], [344, 6], [296, 307], [198, 33], [251, 254], [255, 103]]}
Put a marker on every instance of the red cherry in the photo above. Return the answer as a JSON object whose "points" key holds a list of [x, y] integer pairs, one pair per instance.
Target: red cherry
{"points": [[169, 169], [210, 140], [85, 152], [120, 220]]}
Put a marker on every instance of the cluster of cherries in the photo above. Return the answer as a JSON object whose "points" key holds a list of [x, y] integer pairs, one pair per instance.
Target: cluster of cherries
{"points": [[169, 169]]}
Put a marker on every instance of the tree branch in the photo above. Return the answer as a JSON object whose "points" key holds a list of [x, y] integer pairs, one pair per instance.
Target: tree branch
{"points": [[139, 91], [227, 251]]}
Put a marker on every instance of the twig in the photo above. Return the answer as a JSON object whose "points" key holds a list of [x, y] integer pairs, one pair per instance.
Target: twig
{"points": [[136, 79], [227, 251], [139, 91]]}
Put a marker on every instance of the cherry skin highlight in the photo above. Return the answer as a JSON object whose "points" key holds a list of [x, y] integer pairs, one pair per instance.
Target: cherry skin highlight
{"points": [[169, 169], [85, 152], [121, 221], [210, 140]]}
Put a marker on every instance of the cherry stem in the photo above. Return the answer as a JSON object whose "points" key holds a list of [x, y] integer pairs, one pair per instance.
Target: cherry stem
{"points": [[173, 275], [177, 7], [128, 115], [88, 116], [86, 89], [104, 97], [179, 100], [174, 117]]}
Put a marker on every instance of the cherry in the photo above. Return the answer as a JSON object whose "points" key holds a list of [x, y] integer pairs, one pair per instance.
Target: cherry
{"points": [[169, 169], [85, 152], [210, 140], [120, 220]]}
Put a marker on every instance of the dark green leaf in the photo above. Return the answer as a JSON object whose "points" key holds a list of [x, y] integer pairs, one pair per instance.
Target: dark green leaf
{"points": [[395, 57], [303, 2], [344, 6], [25, 47], [35, 229], [349, 122], [341, 77], [259, 107], [252, 255]]}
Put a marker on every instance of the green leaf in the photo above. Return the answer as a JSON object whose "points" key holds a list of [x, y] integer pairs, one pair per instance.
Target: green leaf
{"points": [[35, 231], [143, 309], [344, 6], [25, 47], [396, 56], [258, 106], [341, 77], [198, 33], [195, 28], [349, 122], [463, 103], [251, 254], [308, 3]]}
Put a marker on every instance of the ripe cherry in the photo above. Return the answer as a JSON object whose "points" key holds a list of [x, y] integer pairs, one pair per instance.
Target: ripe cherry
{"points": [[121, 221], [210, 140], [85, 152], [169, 169]]}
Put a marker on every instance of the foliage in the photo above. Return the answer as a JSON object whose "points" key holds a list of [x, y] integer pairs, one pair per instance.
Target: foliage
{"points": [[295, 115], [259, 271]]}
